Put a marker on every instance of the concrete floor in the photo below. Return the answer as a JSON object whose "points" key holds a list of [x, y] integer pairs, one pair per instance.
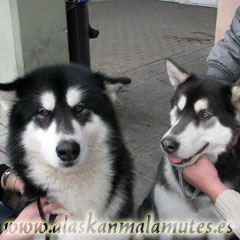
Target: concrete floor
{"points": [[135, 38]]}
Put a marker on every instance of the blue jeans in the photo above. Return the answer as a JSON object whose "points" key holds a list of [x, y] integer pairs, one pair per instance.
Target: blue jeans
{"points": [[5, 212]]}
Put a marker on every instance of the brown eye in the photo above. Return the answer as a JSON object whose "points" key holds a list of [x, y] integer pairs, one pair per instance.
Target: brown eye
{"points": [[79, 108], [45, 113]]}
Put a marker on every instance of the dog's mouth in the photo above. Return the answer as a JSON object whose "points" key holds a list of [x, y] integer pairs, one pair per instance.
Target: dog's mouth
{"points": [[185, 160], [69, 164]]}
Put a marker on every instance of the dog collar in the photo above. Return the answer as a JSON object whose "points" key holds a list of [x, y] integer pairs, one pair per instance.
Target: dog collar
{"points": [[51, 218], [180, 179]]}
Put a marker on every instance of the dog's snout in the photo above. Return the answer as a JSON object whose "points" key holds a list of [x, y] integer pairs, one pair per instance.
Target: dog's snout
{"points": [[68, 150], [169, 145]]}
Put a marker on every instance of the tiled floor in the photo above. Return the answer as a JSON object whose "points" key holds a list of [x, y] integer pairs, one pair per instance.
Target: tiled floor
{"points": [[135, 38]]}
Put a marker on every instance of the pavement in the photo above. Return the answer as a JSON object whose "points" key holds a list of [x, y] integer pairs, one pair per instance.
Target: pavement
{"points": [[135, 38]]}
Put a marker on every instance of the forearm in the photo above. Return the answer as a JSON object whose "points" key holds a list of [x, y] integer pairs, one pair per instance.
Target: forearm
{"points": [[226, 201], [223, 60], [217, 71], [214, 189], [203, 175], [228, 205]]}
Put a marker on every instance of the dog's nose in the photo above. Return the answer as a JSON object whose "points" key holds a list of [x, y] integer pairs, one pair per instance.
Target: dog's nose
{"points": [[169, 145], [68, 150]]}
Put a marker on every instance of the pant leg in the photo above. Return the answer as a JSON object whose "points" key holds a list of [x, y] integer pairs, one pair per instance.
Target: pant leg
{"points": [[5, 212]]}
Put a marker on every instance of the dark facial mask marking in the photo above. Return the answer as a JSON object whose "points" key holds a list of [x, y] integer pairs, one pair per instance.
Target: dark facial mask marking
{"points": [[181, 125]]}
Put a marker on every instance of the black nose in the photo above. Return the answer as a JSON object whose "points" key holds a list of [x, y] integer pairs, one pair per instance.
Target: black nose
{"points": [[169, 145], [68, 150]]}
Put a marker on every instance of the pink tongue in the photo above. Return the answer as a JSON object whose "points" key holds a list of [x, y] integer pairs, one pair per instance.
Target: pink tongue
{"points": [[174, 160]]}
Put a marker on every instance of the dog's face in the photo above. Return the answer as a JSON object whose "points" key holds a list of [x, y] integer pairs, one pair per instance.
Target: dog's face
{"points": [[58, 114], [203, 117]]}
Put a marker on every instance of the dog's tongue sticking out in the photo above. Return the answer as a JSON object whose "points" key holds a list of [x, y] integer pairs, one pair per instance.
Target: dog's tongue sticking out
{"points": [[174, 160]]}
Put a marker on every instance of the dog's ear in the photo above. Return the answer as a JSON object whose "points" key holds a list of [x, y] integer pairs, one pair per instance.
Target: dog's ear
{"points": [[8, 96], [112, 85], [175, 73]]}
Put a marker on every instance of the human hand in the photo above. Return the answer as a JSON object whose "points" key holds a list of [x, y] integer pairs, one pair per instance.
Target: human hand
{"points": [[204, 176], [19, 186], [30, 214], [13, 183]]}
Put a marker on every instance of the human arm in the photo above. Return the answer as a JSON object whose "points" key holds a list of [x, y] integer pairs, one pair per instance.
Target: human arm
{"points": [[203, 175], [29, 214], [13, 182], [224, 58]]}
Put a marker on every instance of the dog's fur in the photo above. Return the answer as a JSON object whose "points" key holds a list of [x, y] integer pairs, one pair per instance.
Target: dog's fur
{"points": [[65, 104], [204, 120]]}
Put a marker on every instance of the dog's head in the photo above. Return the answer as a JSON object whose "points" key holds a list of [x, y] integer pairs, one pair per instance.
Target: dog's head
{"points": [[58, 114], [204, 116]]}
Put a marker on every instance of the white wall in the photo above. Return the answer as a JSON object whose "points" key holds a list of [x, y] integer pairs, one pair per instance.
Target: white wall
{"points": [[9, 68], [32, 33], [43, 32], [200, 2], [210, 3]]}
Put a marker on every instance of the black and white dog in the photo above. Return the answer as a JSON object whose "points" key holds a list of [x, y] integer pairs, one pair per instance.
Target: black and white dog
{"points": [[65, 142], [204, 120]]}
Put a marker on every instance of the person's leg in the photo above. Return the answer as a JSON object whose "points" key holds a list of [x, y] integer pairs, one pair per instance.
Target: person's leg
{"points": [[5, 212]]}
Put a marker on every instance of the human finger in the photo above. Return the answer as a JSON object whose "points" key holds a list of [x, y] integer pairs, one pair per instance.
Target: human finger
{"points": [[51, 206], [59, 218]]}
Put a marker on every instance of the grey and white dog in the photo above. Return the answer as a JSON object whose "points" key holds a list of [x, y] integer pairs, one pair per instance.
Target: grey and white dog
{"points": [[204, 120]]}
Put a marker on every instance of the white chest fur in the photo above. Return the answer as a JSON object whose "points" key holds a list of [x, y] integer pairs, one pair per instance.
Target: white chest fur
{"points": [[79, 192]]}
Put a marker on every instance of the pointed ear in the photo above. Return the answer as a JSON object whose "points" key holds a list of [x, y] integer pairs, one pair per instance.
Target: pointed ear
{"points": [[175, 73], [8, 97], [112, 85], [236, 99]]}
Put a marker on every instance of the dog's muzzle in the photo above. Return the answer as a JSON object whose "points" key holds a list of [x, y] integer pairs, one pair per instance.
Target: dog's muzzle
{"points": [[169, 145]]}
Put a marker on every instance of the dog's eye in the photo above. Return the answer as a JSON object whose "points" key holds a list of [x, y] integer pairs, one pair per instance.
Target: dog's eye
{"points": [[79, 108], [44, 113], [205, 114]]}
